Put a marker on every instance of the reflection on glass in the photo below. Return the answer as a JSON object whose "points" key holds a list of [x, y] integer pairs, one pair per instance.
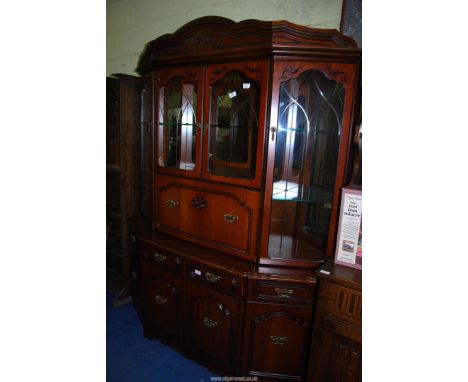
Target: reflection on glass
{"points": [[309, 126], [176, 124], [233, 126]]}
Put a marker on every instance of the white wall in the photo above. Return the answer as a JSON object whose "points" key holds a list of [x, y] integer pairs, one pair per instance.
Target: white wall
{"points": [[132, 23]]}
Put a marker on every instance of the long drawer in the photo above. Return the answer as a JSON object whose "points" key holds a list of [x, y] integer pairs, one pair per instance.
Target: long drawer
{"points": [[216, 216], [225, 282]]}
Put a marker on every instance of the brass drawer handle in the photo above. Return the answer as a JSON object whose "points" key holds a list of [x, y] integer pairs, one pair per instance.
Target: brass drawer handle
{"points": [[159, 258], [210, 323], [172, 203], [278, 340], [199, 202], [230, 218], [160, 300], [284, 293], [211, 277]]}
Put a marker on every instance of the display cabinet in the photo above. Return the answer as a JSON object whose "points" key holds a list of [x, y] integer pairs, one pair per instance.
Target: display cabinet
{"points": [[252, 138]]}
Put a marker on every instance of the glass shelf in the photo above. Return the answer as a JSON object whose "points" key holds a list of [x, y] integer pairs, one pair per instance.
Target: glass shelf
{"points": [[289, 191], [233, 126], [176, 124], [314, 131]]}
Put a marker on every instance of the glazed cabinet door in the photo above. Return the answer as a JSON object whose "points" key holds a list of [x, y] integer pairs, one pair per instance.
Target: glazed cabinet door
{"points": [[336, 353], [235, 108], [177, 108], [163, 302], [276, 341], [212, 321], [309, 137]]}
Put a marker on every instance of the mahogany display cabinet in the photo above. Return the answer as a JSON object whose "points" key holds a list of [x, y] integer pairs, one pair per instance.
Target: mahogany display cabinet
{"points": [[241, 171]]}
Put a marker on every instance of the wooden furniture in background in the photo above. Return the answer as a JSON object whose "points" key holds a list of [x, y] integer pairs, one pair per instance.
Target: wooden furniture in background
{"points": [[252, 136], [122, 175], [336, 353]]}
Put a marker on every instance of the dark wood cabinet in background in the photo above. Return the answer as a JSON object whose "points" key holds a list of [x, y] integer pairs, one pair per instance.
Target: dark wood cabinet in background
{"points": [[128, 124], [251, 131], [336, 353]]}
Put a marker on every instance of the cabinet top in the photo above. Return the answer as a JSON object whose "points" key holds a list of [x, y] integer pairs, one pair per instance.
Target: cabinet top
{"points": [[218, 39], [344, 275]]}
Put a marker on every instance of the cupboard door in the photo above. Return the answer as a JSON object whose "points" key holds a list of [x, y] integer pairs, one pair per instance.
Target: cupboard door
{"points": [[212, 327], [163, 299], [337, 353], [276, 340], [177, 94], [235, 107], [309, 137]]}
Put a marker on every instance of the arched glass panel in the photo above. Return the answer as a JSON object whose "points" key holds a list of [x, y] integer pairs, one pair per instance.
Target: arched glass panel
{"points": [[307, 143], [233, 128], [176, 124]]}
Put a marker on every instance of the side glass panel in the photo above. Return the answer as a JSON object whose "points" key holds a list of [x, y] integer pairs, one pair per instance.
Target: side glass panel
{"points": [[146, 147], [307, 143], [177, 102], [233, 128]]}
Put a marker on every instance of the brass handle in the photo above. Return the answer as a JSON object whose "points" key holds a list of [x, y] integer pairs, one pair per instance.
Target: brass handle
{"points": [[230, 218], [211, 277], [278, 340], [284, 293], [210, 323], [160, 300], [199, 202], [159, 258], [273, 130], [172, 203]]}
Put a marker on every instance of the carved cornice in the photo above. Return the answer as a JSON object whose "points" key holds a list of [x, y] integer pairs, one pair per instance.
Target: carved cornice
{"points": [[213, 36]]}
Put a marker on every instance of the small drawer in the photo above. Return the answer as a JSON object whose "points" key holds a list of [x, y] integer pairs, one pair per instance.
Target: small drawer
{"points": [[268, 291], [220, 281], [163, 259]]}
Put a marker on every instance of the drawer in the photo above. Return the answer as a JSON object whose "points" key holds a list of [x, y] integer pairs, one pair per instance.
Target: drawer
{"points": [[219, 217], [220, 281], [274, 291], [162, 258]]}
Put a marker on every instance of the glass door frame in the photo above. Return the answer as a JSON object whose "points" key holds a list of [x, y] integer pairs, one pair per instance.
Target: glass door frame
{"points": [[284, 70], [194, 76], [256, 71]]}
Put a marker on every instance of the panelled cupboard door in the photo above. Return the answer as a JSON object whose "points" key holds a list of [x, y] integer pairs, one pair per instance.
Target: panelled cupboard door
{"points": [[336, 353], [177, 120], [163, 302], [309, 137], [212, 324], [276, 340], [234, 111]]}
